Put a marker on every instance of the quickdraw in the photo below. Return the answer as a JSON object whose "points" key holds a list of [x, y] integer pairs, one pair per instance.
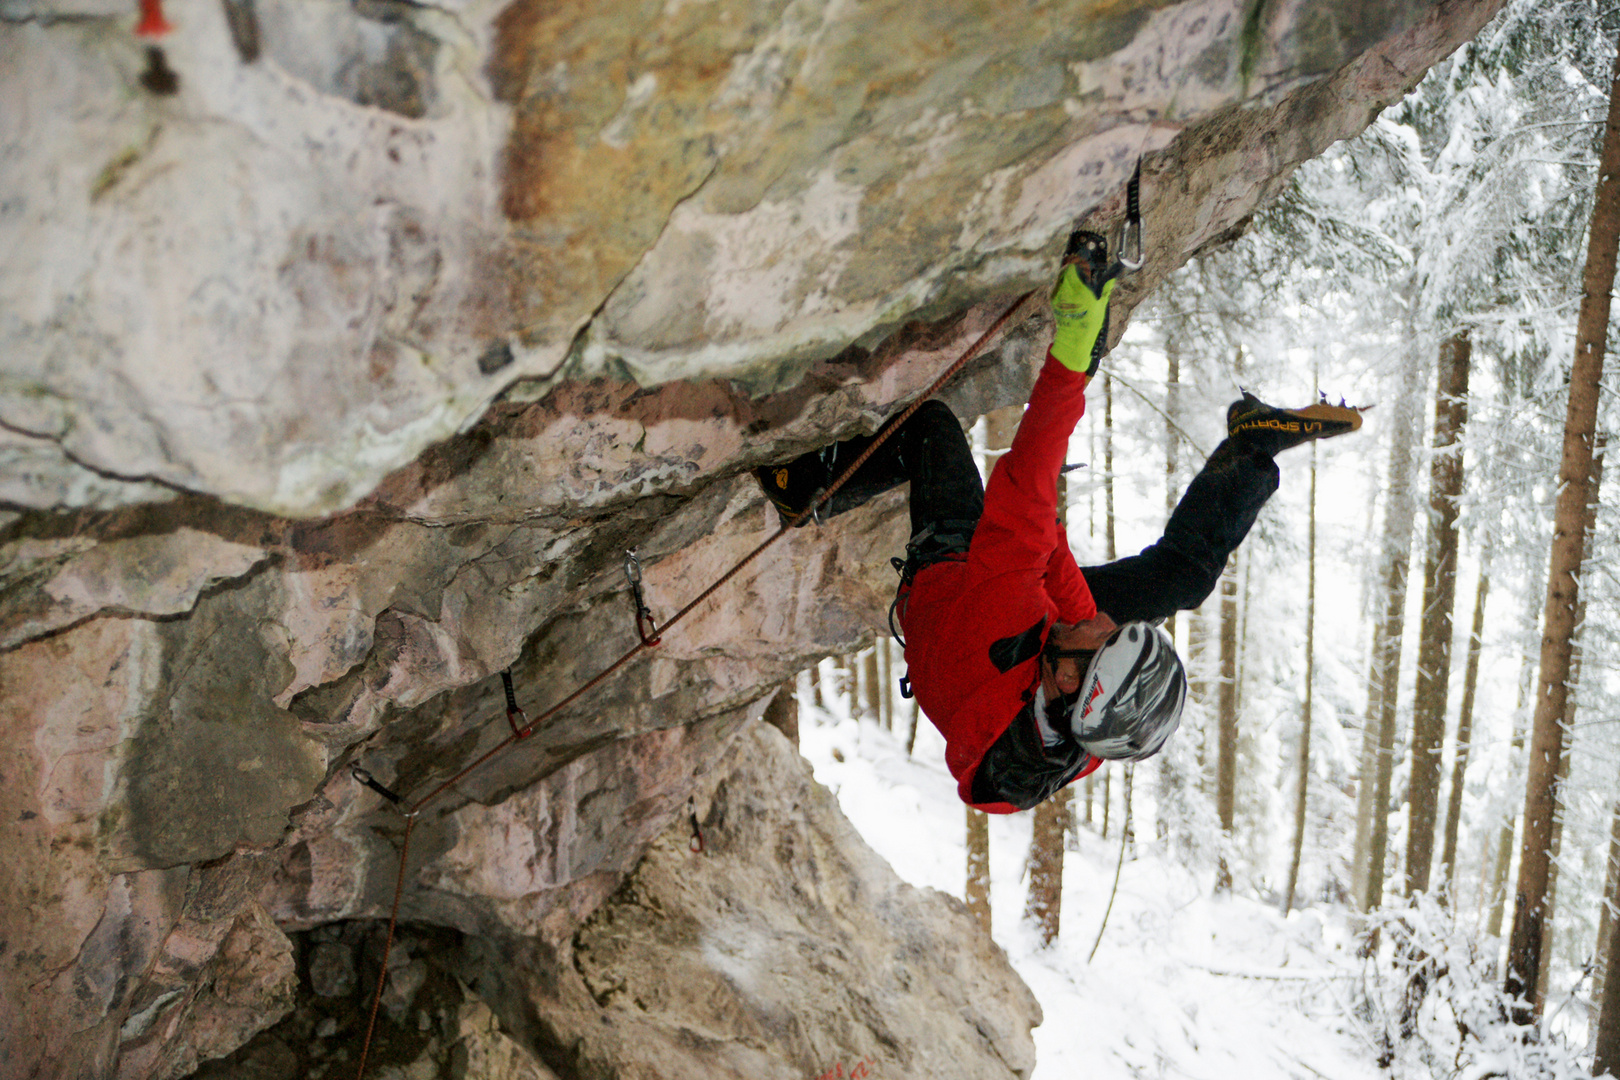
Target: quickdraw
{"points": [[513, 713], [1130, 233], [695, 845], [372, 782], [1089, 250], [646, 627]]}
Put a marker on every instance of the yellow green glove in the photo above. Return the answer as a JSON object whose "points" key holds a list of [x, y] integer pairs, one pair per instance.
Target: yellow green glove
{"points": [[1081, 317]]}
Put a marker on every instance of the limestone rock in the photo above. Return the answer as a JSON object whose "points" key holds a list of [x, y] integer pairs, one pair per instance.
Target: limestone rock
{"points": [[431, 1024], [260, 522], [784, 949], [353, 225]]}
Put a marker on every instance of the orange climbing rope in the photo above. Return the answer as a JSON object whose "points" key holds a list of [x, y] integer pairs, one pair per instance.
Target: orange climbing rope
{"points": [[649, 635]]}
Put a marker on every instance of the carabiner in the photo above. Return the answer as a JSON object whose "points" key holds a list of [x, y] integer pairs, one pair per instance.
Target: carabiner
{"points": [[695, 845], [1130, 233], [1130, 245], [646, 626], [513, 713]]}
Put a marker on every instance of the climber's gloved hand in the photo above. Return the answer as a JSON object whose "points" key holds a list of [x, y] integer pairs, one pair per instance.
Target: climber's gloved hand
{"points": [[1082, 318]]}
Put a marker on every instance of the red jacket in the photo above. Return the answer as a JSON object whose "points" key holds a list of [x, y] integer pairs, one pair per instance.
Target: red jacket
{"points": [[967, 619]]}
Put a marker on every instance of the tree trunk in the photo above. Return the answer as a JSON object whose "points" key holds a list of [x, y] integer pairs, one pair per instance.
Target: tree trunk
{"points": [[1198, 662], [1606, 1059], [1465, 727], [1245, 565], [1361, 859], [999, 428], [977, 891], [1372, 811], [1108, 465], [1052, 817], [1504, 851], [874, 684], [1045, 903], [1563, 586], [1610, 911], [1504, 860], [844, 666], [1172, 431], [1303, 761], [1439, 598], [890, 679], [1555, 845], [1107, 798], [1226, 755], [880, 650]]}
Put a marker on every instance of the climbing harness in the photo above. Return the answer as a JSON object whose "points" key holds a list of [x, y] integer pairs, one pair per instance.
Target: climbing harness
{"points": [[650, 634], [646, 628]]}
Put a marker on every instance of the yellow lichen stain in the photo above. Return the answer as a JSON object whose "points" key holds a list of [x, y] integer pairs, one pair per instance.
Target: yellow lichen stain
{"points": [[114, 171]]}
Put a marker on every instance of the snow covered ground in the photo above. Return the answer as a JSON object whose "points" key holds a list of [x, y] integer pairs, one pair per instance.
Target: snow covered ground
{"points": [[1182, 985]]}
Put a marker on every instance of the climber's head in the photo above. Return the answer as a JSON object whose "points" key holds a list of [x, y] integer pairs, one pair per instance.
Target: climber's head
{"points": [[1067, 652], [1128, 700]]}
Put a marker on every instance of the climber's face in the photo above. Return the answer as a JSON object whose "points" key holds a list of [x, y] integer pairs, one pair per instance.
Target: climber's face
{"points": [[1061, 671]]}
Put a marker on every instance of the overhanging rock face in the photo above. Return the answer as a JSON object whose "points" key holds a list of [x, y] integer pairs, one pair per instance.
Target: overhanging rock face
{"points": [[279, 292], [295, 273]]}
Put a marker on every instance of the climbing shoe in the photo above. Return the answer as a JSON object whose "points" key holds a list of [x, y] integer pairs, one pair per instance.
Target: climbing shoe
{"points": [[794, 486], [1271, 430]]}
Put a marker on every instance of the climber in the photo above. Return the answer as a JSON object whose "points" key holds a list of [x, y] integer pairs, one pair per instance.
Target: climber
{"points": [[1001, 628]]}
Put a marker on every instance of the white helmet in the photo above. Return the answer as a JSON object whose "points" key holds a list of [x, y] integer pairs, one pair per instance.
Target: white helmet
{"points": [[1131, 697]]}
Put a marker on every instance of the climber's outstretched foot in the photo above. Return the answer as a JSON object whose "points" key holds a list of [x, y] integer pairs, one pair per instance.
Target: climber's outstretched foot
{"points": [[1272, 430]]}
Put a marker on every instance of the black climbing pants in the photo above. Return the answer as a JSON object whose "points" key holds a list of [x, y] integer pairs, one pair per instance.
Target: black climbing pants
{"points": [[1174, 574]]}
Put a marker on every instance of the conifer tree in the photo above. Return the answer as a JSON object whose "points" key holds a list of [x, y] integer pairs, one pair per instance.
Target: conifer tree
{"points": [[1439, 597], [1303, 760], [1563, 586]]}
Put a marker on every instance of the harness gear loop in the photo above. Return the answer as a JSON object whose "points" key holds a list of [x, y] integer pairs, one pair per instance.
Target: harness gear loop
{"points": [[513, 713], [695, 845], [646, 627]]}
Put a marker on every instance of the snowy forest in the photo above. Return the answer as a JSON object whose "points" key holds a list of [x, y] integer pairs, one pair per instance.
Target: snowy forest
{"points": [[1393, 801]]}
